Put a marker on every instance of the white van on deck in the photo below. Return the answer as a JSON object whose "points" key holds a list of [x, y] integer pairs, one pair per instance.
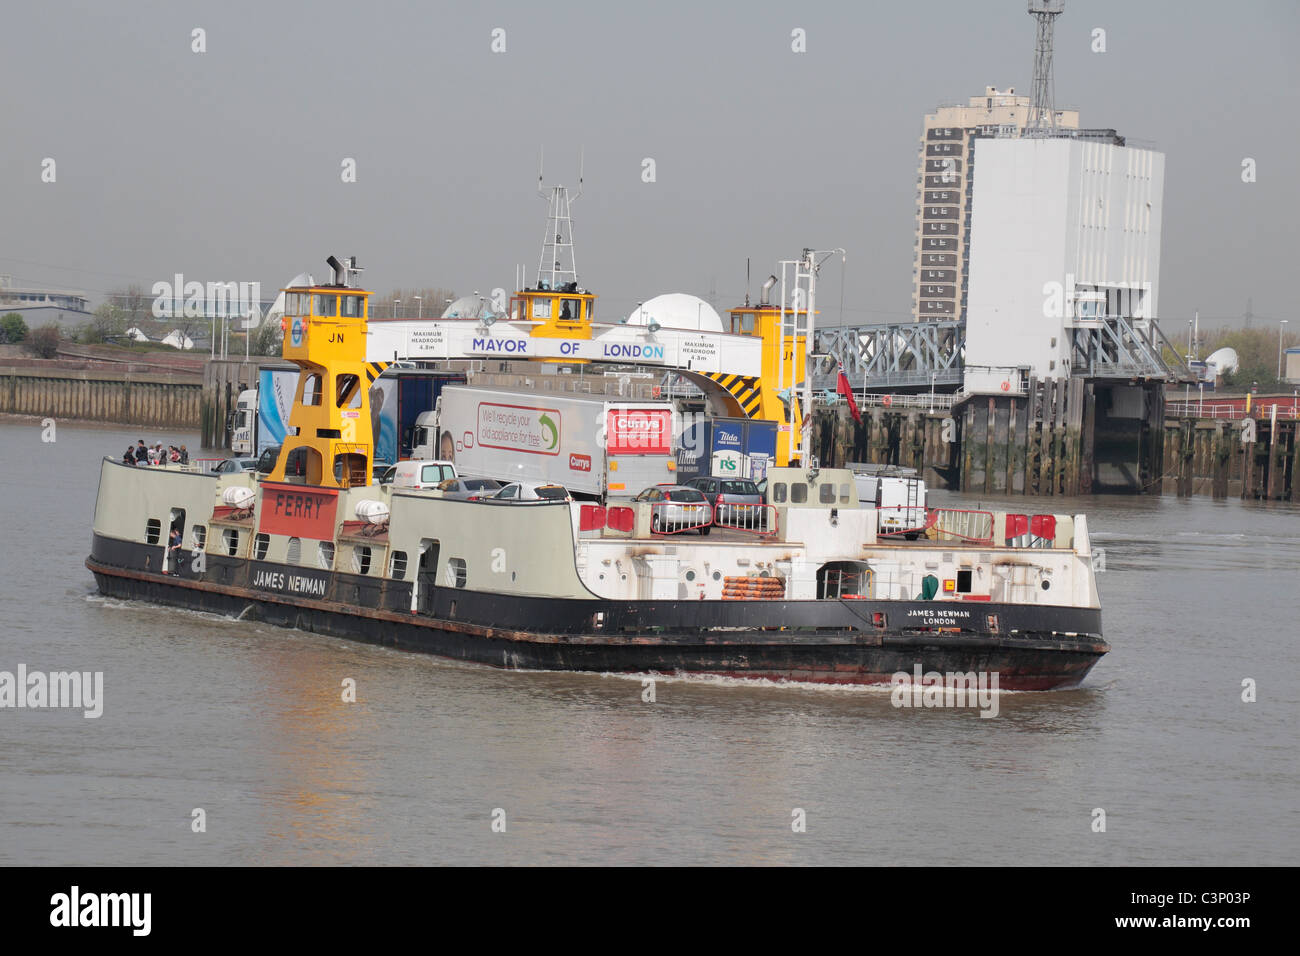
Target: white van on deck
{"points": [[422, 473]]}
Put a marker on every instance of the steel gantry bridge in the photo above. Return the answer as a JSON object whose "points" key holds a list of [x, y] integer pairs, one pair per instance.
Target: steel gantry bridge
{"points": [[930, 355], [898, 355]]}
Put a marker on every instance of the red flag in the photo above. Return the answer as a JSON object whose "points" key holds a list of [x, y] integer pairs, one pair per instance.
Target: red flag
{"points": [[842, 386]]}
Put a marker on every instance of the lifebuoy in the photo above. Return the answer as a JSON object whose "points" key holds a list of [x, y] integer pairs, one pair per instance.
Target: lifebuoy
{"points": [[1006, 386], [887, 400]]}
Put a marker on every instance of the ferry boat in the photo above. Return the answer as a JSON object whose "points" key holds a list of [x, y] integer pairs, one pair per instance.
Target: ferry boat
{"points": [[808, 587]]}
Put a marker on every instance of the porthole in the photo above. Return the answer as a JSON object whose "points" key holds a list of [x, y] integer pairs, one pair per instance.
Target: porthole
{"points": [[690, 575], [717, 575]]}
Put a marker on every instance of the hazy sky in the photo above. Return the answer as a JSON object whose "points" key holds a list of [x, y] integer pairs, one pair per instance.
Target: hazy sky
{"points": [[225, 165]]}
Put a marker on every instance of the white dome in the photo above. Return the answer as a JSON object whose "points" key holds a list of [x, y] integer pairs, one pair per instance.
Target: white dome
{"points": [[1224, 360], [467, 307], [678, 310]]}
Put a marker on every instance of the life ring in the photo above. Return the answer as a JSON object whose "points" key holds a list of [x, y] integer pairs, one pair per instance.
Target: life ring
{"points": [[1006, 386], [887, 400]]}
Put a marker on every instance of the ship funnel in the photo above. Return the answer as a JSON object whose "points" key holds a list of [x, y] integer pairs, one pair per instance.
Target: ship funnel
{"points": [[767, 287], [336, 267]]}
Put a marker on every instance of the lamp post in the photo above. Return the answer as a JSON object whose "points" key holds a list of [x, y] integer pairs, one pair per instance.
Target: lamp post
{"points": [[396, 303], [1280, 330], [419, 307]]}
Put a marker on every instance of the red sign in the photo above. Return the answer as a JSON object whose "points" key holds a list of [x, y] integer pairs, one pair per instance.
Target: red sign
{"points": [[580, 463], [297, 511], [639, 431]]}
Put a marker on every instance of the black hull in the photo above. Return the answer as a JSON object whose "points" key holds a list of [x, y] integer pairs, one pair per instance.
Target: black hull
{"points": [[837, 642]]}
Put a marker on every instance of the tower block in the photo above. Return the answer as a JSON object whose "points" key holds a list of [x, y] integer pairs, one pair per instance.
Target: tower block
{"points": [[330, 442]]}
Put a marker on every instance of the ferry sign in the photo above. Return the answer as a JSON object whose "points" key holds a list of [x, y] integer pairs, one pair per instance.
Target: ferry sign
{"points": [[700, 351], [297, 511]]}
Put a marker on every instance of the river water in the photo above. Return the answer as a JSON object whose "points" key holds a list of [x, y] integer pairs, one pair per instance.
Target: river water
{"points": [[246, 722]]}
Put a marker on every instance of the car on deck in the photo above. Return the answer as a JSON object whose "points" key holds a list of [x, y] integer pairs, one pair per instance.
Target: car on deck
{"points": [[234, 466], [522, 492], [727, 495], [676, 508], [467, 489]]}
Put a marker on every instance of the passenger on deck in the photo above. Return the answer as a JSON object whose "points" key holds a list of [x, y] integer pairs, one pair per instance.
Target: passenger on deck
{"points": [[128, 457], [173, 549], [185, 456], [141, 453]]}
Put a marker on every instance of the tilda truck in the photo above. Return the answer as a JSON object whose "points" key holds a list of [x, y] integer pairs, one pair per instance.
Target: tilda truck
{"points": [[594, 446]]}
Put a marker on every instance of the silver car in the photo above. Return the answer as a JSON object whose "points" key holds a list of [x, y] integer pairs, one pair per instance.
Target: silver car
{"points": [[725, 493], [675, 508], [468, 489]]}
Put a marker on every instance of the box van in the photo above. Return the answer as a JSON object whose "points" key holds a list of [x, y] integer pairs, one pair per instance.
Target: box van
{"points": [[422, 473]]}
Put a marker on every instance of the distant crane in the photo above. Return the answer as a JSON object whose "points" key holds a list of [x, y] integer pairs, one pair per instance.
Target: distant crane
{"points": [[1042, 103]]}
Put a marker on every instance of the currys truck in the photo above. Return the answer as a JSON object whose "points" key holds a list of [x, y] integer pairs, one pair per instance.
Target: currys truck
{"points": [[594, 446]]}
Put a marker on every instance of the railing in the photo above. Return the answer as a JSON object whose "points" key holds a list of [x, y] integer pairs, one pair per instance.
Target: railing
{"points": [[848, 585], [672, 517], [951, 524], [757, 519], [929, 401], [1214, 410]]}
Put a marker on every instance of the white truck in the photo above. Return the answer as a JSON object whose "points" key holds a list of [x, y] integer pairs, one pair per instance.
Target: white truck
{"points": [[594, 446], [243, 434], [897, 492]]}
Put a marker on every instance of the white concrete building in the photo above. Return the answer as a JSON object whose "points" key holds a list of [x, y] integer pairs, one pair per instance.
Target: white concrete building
{"points": [[944, 178], [1064, 260]]}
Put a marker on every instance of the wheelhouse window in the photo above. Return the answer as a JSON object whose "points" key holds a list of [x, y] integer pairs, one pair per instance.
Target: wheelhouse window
{"points": [[351, 306], [261, 544], [541, 308], [826, 494], [361, 559], [397, 565], [325, 306], [152, 531], [230, 541], [311, 388], [457, 572], [347, 390]]}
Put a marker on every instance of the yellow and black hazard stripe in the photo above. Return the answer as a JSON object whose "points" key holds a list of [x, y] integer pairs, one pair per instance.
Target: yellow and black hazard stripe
{"points": [[744, 389], [374, 370]]}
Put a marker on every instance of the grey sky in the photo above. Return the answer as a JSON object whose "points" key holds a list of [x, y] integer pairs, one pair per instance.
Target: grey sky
{"points": [[226, 165]]}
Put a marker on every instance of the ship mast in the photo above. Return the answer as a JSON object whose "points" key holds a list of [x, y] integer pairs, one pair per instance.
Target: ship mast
{"points": [[557, 267]]}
